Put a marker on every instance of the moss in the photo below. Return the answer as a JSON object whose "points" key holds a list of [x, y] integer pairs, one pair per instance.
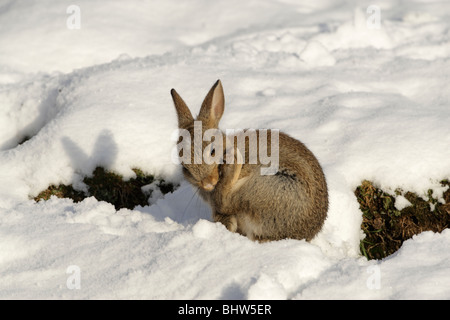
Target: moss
{"points": [[61, 191], [386, 227], [110, 187]]}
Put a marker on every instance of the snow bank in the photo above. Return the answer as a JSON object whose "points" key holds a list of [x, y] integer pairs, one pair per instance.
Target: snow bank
{"points": [[133, 254], [370, 103]]}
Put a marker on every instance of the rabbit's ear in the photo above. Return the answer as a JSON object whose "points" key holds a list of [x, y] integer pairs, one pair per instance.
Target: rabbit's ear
{"points": [[213, 106], [185, 117]]}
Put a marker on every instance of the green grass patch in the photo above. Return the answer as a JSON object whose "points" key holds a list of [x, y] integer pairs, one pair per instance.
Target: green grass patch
{"points": [[110, 187], [386, 227]]}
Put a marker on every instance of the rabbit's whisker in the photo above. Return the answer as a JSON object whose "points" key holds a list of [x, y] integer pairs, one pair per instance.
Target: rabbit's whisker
{"points": [[187, 206]]}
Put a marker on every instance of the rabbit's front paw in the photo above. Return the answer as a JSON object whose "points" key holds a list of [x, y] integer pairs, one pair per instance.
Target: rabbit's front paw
{"points": [[231, 170]]}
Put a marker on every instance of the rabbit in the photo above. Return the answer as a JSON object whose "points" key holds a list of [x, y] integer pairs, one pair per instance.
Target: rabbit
{"points": [[292, 203]]}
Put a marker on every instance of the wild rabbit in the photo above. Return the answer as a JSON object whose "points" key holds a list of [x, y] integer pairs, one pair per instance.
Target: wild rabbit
{"points": [[290, 203]]}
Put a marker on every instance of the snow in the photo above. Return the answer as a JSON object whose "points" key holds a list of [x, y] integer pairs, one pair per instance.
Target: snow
{"points": [[371, 103], [401, 202]]}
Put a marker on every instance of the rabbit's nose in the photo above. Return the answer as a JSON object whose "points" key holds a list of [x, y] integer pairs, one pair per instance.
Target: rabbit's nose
{"points": [[208, 187], [209, 183]]}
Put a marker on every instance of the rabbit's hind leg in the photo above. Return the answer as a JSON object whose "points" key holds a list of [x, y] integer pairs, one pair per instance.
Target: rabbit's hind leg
{"points": [[228, 220]]}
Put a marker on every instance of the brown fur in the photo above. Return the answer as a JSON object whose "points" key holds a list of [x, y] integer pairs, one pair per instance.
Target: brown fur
{"points": [[293, 203]]}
